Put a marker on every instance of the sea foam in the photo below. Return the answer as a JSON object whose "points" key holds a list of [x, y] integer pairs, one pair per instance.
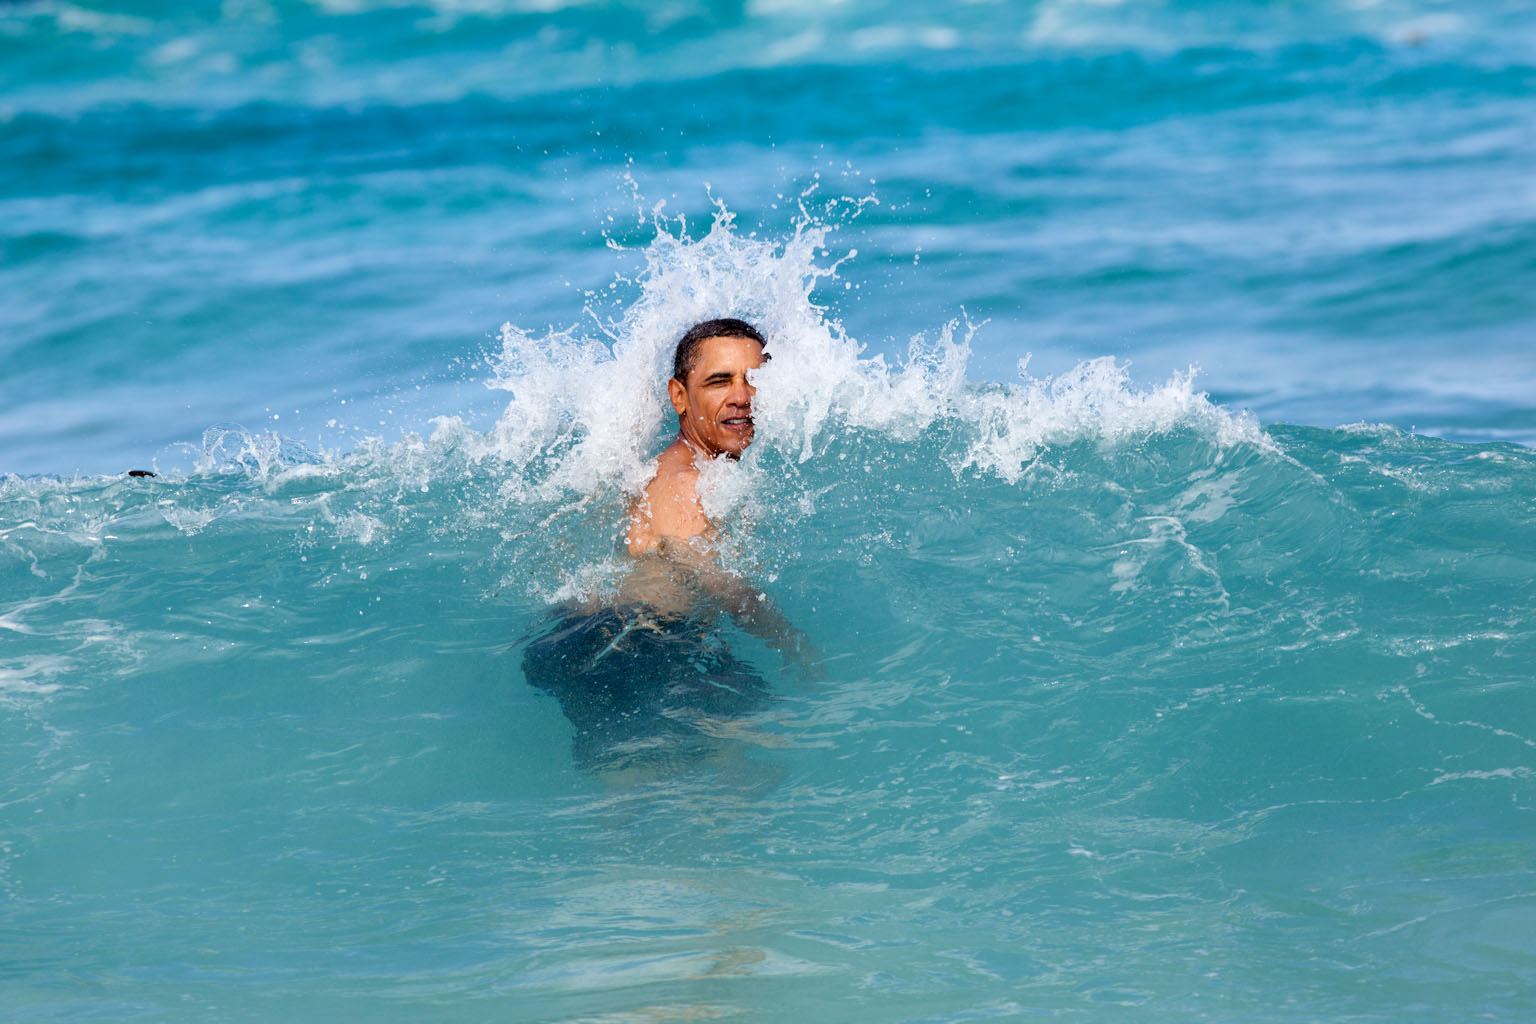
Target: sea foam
{"points": [[586, 411]]}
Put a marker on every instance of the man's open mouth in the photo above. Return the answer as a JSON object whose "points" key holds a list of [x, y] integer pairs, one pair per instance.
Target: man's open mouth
{"points": [[737, 422]]}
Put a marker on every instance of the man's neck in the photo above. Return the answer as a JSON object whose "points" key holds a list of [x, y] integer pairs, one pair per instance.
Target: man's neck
{"points": [[698, 450]]}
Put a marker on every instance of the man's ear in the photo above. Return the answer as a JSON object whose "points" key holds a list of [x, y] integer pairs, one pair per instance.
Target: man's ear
{"points": [[679, 396]]}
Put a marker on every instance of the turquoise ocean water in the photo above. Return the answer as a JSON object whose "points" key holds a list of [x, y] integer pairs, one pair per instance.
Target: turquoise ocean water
{"points": [[1145, 452]]}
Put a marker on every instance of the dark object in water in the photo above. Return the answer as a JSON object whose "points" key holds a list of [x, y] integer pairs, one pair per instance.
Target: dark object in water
{"points": [[636, 685], [140, 472]]}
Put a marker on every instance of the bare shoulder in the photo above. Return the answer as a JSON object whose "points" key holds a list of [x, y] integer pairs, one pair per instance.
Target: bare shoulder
{"points": [[669, 506]]}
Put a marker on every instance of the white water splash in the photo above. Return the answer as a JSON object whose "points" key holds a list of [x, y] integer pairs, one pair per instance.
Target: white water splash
{"points": [[586, 412]]}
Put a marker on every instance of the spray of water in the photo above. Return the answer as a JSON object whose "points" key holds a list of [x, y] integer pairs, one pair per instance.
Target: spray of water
{"points": [[586, 413]]}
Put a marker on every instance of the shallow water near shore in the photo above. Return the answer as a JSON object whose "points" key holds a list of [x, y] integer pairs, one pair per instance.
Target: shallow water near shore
{"points": [[1138, 692]]}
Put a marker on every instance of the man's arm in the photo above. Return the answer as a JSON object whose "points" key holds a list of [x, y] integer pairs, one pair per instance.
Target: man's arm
{"points": [[668, 521], [748, 607]]}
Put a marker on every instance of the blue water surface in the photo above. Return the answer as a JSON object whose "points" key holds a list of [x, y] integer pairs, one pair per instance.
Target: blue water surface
{"points": [[226, 214], [1181, 672]]}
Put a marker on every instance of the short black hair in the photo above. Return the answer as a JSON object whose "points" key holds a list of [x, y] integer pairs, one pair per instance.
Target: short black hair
{"points": [[688, 345]]}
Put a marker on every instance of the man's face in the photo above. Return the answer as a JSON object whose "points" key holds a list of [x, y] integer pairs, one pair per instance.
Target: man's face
{"points": [[714, 405]]}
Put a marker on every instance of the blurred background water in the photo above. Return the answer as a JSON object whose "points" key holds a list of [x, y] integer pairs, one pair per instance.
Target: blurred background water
{"points": [[230, 213], [1143, 696]]}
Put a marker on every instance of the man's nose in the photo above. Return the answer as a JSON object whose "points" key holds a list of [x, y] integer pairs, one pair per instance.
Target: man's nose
{"points": [[741, 392]]}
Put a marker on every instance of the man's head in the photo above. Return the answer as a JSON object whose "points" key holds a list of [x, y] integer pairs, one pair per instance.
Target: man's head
{"points": [[709, 388]]}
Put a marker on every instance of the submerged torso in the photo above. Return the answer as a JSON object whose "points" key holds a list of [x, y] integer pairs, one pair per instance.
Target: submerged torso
{"points": [[636, 670]]}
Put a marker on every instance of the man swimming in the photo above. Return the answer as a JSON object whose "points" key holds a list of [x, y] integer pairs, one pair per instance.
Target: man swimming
{"points": [[712, 396], [640, 677]]}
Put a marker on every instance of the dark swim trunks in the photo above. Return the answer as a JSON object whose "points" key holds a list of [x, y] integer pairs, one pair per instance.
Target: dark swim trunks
{"points": [[636, 685]]}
